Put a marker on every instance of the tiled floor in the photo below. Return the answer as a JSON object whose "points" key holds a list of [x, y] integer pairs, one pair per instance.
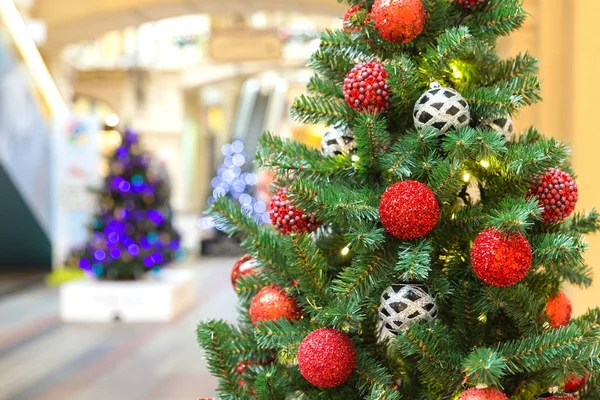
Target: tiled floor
{"points": [[42, 358]]}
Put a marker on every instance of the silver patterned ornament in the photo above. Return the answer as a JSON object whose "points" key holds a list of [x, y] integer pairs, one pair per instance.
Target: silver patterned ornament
{"points": [[403, 304], [441, 108], [503, 126], [337, 140]]}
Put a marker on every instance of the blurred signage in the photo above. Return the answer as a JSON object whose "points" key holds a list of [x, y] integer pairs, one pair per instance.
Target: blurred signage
{"points": [[244, 45]]}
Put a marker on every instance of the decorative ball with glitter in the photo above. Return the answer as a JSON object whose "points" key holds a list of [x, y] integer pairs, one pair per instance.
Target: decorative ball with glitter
{"points": [[557, 194], [575, 383], [286, 218], [338, 140], [271, 303], [244, 266], [501, 259], [403, 304], [483, 394], [441, 108], [347, 17], [326, 357], [365, 88], [399, 21], [409, 210], [560, 397], [559, 310], [504, 126], [469, 3]]}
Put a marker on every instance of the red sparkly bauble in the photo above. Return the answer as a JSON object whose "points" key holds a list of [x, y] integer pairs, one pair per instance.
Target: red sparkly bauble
{"points": [[399, 21], [409, 210], [244, 266], [366, 89], [326, 357], [501, 259], [483, 394], [469, 3], [560, 398], [576, 383], [559, 310], [351, 11], [287, 218], [557, 194], [271, 303]]}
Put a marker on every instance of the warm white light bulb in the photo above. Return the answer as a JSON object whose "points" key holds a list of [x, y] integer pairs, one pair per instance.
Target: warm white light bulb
{"points": [[111, 120], [345, 251], [467, 177], [484, 164], [456, 73], [355, 158]]}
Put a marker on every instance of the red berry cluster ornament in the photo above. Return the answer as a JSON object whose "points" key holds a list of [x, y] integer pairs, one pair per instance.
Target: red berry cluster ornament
{"points": [[501, 259], [287, 218], [399, 21], [409, 210], [469, 3], [351, 11], [365, 88], [557, 194], [483, 394], [271, 303], [559, 310], [244, 266], [326, 357], [560, 397]]}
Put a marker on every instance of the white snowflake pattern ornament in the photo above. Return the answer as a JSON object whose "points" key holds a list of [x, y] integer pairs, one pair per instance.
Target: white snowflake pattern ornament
{"points": [[338, 140], [403, 304]]}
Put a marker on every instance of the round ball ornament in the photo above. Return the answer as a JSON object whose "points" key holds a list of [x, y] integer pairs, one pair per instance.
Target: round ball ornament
{"points": [[326, 357], [286, 218], [409, 210], [441, 108], [504, 127], [483, 394], [404, 304], [470, 194], [576, 383], [469, 3], [557, 195], [559, 310], [501, 259], [338, 140], [244, 266], [271, 303], [560, 397], [399, 21], [365, 88]]}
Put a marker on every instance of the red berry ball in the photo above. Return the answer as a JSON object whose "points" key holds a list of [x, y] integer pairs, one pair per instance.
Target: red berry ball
{"points": [[409, 210], [501, 259], [576, 383], [560, 397], [365, 88], [244, 266], [326, 357], [399, 21], [483, 394], [557, 194], [469, 3], [287, 218], [271, 303], [351, 11], [559, 310]]}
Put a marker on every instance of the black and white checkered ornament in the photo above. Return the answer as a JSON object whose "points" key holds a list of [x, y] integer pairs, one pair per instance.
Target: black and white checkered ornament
{"points": [[441, 108], [337, 140], [405, 303], [503, 126]]}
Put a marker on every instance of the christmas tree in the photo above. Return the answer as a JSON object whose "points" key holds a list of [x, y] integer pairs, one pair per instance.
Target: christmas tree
{"points": [[428, 263], [132, 231]]}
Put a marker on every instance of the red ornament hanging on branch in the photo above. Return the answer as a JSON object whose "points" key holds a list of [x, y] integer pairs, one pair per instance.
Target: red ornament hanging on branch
{"points": [[483, 394], [326, 357], [286, 218], [366, 89], [271, 303], [501, 259], [469, 3], [557, 194], [399, 21], [560, 397], [244, 266], [576, 383], [559, 310], [409, 210]]}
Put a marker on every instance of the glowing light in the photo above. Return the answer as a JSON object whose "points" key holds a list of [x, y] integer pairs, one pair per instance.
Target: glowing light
{"points": [[111, 120], [85, 264], [99, 254], [456, 73], [482, 318], [345, 251], [133, 249], [484, 164], [467, 177], [453, 216], [355, 158]]}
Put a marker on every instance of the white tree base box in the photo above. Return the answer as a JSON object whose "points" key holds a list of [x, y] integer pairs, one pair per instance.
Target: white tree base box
{"points": [[153, 299]]}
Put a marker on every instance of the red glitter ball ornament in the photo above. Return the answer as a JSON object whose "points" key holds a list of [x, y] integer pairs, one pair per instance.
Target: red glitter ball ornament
{"points": [[483, 394], [559, 310], [244, 266], [287, 218], [557, 194], [351, 11], [326, 357], [501, 259], [366, 89], [409, 210], [469, 3], [271, 303], [576, 383], [560, 397], [399, 21]]}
